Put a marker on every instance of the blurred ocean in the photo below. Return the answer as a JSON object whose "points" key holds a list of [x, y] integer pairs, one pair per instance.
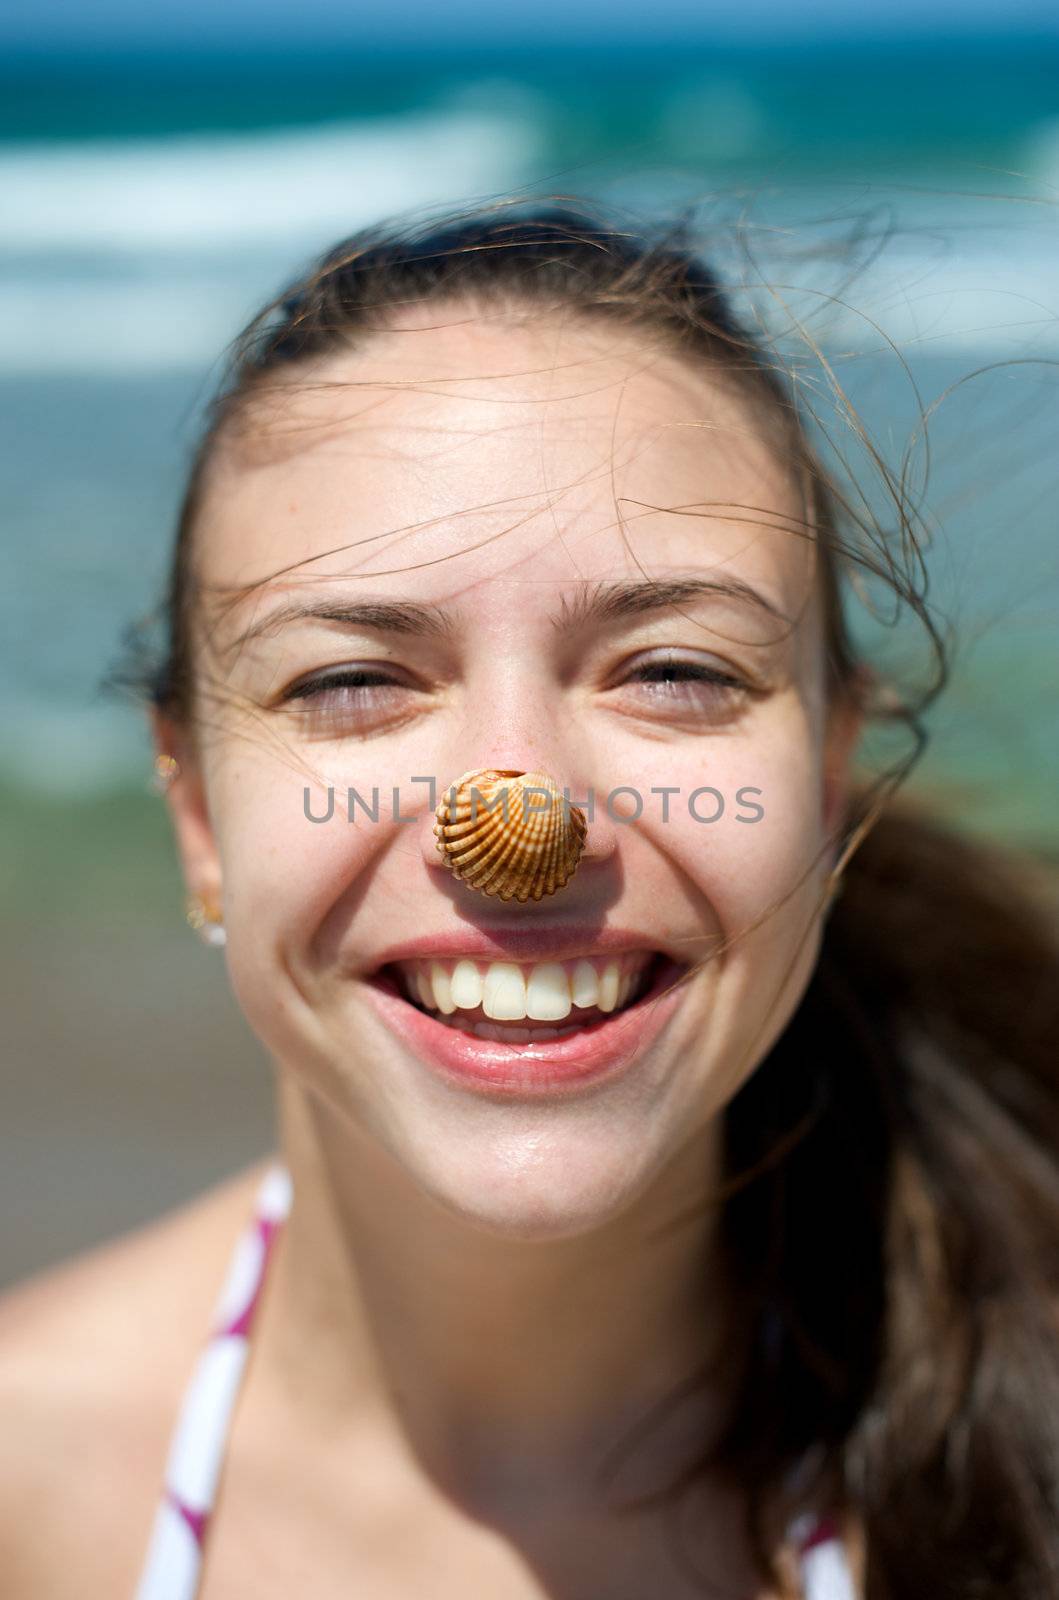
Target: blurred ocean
{"points": [[150, 204]]}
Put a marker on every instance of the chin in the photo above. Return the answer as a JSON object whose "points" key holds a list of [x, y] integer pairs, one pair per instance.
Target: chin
{"points": [[537, 1183]]}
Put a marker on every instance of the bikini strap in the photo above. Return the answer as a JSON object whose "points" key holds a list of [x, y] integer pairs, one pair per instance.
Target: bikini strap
{"points": [[825, 1569], [174, 1556]]}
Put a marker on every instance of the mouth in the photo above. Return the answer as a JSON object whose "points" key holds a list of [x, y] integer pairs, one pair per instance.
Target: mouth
{"points": [[529, 1027]]}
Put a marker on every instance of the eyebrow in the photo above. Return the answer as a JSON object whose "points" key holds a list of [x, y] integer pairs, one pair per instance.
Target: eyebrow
{"points": [[606, 602], [596, 603], [384, 616]]}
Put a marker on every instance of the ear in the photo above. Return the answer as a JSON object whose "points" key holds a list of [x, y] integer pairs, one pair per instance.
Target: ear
{"points": [[188, 811], [845, 724]]}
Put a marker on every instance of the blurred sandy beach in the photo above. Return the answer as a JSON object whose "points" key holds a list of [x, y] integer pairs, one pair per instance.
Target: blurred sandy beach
{"points": [[131, 1078]]}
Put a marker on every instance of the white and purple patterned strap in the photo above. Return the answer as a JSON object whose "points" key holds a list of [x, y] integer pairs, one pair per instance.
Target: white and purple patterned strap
{"points": [[826, 1573], [174, 1556], [173, 1565]]}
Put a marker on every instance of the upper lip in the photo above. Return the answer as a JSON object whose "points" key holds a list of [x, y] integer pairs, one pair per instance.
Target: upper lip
{"points": [[526, 944]]}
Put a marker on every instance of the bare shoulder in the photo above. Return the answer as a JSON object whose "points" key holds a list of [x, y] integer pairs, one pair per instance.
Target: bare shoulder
{"points": [[94, 1356]]}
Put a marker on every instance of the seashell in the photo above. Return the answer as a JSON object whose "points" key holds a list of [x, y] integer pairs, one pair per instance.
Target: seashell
{"points": [[526, 854]]}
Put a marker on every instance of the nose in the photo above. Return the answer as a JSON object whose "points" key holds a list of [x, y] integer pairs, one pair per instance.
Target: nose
{"points": [[601, 831]]}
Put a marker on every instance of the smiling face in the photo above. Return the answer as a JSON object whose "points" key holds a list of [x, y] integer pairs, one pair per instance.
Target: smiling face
{"points": [[510, 545]]}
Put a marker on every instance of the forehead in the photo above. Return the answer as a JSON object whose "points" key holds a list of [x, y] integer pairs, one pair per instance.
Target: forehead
{"points": [[477, 454]]}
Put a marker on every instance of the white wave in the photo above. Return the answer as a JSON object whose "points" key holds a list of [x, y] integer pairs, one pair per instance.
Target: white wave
{"points": [[207, 192], [149, 255], [89, 326], [928, 297], [992, 305]]}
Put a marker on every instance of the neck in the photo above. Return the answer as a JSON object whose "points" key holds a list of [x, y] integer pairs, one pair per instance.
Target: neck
{"points": [[479, 1352]]}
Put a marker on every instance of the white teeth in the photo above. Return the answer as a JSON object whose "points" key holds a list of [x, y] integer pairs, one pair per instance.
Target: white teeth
{"points": [[442, 987], [503, 994], [584, 984], [548, 993], [423, 987], [509, 993], [608, 986], [466, 986]]}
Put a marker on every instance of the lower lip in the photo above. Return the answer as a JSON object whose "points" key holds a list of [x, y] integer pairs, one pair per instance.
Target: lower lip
{"points": [[593, 1055]]}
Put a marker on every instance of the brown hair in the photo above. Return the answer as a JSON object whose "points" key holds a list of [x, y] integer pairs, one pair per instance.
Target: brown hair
{"points": [[891, 1214]]}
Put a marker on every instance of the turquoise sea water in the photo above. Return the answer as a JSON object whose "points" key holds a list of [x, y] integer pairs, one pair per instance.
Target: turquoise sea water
{"points": [[891, 102], [151, 203]]}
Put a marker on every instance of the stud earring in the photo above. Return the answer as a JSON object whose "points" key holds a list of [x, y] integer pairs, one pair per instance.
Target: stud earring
{"points": [[166, 769], [205, 918]]}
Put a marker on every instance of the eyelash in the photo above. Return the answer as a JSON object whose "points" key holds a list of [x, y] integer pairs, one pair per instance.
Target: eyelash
{"points": [[726, 683], [348, 678], [324, 696]]}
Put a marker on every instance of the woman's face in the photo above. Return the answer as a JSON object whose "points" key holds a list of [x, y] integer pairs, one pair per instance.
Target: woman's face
{"points": [[516, 483]]}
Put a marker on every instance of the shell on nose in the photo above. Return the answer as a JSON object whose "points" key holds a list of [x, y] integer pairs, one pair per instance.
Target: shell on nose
{"points": [[510, 834]]}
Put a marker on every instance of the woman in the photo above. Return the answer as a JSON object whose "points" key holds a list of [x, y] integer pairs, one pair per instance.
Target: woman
{"points": [[670, 1233]]}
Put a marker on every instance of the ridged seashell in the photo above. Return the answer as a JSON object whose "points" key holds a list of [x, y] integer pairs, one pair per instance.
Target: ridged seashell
{"points": [[525, 855]]}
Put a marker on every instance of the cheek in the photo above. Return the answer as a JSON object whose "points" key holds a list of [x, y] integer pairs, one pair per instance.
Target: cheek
{"points": [[753, 831], [756, 886], [289, 857]]}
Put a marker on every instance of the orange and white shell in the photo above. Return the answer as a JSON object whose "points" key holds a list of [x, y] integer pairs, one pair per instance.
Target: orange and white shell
{"points": [[521, 848]]}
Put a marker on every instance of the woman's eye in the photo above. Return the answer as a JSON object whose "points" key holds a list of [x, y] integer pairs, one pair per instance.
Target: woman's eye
{"points": [[363, 696], [687, 685], [355, 694]]}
